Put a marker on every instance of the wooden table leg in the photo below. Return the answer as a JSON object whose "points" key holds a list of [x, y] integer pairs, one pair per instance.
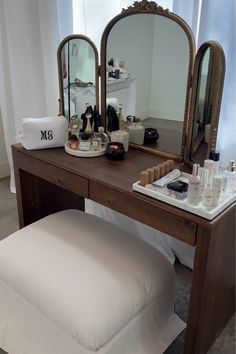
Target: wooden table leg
{"points": [[37, 198], [212, 300]]}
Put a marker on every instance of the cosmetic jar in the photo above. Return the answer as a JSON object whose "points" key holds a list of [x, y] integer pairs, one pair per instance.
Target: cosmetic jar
{"points": [[178, 189], [136, 133], [150, 136], [115, 151]]}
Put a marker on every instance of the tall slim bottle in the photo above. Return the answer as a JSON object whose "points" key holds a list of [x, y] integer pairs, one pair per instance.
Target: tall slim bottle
{"points": [[194, 187]]}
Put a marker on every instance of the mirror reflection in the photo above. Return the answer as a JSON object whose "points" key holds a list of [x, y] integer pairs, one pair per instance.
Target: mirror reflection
{"points": [[78, 66], [202, 124], [148, 58], [208, 80]]}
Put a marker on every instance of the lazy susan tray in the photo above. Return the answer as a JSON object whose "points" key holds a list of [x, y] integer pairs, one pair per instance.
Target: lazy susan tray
{"points": [[81, 153]]}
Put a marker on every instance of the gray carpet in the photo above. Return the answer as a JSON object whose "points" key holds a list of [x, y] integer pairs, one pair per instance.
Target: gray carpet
{"points": [[225, 344]]}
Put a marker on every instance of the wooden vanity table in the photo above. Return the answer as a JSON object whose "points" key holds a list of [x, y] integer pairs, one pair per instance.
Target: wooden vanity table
{"points": [[50, 180]]}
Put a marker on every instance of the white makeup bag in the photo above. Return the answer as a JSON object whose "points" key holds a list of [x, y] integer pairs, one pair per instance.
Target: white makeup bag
{"points": [[43, 133]]}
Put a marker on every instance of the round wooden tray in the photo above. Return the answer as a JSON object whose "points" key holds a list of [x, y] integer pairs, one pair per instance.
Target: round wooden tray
{"points": [[80, 153]]}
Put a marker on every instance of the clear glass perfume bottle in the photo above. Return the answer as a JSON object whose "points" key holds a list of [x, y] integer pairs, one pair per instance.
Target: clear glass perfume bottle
{"points": [[96, 142], [104, 137], [194, 187]]}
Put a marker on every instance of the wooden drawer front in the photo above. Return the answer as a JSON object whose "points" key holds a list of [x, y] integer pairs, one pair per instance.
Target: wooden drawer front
{"points": [[53, 174], [146, 213]]}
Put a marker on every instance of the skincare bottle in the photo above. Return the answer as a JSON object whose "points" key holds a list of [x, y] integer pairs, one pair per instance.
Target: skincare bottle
{"points": [[207, 196], [216, 190], [204, 178], [209, 165], [194, 187], [231, 177], [215, 156]]}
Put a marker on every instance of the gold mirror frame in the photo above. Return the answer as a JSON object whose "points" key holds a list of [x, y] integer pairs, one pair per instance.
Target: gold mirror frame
{"points": [[59, 66], [150, 7], [215, 89]]}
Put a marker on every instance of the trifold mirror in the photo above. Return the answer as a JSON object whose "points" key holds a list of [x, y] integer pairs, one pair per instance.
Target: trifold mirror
{"points": [[150, 74]]}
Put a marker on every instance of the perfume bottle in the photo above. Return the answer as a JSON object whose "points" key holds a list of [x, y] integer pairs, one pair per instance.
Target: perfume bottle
{"points": [[85, 142], [73, 128], [216, 190], [209, 165], [104, 137], [121, 118], [88, 128], [96, 142], [207, 196], [194, 187]]}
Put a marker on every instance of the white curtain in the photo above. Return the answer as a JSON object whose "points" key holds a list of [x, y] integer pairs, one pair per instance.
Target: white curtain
{"points": [[218, 22], [30, 33]]}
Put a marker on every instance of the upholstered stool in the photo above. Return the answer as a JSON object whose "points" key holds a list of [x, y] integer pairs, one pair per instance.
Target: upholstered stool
{"points": [[73, 283]]}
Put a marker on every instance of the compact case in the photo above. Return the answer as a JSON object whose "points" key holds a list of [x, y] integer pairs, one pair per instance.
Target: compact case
{"points": [[43, 133]]}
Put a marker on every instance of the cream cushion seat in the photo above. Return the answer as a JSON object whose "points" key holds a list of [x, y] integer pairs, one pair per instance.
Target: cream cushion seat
{"points": [[74, 283]]}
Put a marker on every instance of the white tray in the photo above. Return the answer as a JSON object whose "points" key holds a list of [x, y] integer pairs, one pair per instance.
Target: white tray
{"points": [[80, 153], [200, 210]]}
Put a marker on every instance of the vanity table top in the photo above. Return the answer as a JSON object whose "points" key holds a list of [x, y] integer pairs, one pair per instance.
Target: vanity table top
{"points": [[109, 183]]}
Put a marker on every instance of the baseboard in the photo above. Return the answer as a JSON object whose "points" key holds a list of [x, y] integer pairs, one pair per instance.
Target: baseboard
{"points": [[4, 170]]}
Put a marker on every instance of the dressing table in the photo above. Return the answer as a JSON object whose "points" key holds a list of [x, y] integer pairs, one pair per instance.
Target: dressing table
{"points": [[185, 91], [50, 180]]}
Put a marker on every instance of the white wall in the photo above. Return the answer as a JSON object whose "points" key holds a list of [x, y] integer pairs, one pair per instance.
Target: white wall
{"points": [[4, 165], [157, 59], [134, 44], [169, 70], [82, 61]]}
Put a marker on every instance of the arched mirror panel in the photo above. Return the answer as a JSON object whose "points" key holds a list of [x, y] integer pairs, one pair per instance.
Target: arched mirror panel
{"points": [[78, 76], [208, 81], [147, 55]]}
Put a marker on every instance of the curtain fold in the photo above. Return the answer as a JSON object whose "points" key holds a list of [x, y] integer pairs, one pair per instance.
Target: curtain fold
{"points": [[215, 20], [29, 37], [218, 22]]}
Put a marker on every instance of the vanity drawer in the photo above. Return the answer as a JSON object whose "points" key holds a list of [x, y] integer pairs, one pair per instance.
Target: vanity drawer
{"points": [[145, 211], [53, 174]]}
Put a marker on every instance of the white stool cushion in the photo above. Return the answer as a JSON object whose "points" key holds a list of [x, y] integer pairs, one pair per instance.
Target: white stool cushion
{"points": [[91, 280]]}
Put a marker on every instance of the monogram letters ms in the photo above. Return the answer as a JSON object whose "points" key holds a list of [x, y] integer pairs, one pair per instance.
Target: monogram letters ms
{"points": [[46, 134]]}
